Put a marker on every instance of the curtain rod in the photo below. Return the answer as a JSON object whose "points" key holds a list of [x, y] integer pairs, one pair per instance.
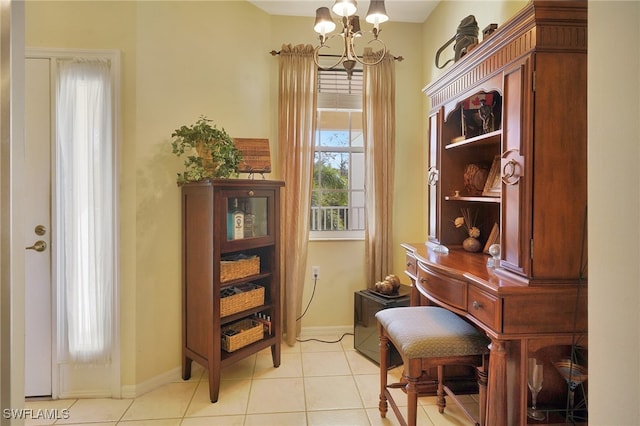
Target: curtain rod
{"points": [[277, 52]]}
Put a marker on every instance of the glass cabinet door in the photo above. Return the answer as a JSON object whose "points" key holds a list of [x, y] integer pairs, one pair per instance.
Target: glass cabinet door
{"points": [[248, 215]]}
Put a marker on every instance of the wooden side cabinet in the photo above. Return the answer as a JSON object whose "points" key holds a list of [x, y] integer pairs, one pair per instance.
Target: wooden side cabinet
{"points": [[230, 273]]}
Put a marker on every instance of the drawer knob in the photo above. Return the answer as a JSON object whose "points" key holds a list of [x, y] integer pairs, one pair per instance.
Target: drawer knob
{"points": [[408, 263], [423, 280], [476, 305], [251, 193]]}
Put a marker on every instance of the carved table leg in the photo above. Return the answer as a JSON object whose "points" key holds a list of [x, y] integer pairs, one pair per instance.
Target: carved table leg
{"points": [[497, 385]]}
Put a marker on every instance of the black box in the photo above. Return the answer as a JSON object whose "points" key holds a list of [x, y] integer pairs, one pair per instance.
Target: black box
{"points": [[365, 326]]}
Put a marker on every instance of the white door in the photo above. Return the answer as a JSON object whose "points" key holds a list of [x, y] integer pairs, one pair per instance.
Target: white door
{"points": [[38, 286]]}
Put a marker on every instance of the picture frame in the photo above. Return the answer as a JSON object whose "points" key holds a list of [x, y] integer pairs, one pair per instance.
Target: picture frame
{"points": [[494, 238], [493, 185]]}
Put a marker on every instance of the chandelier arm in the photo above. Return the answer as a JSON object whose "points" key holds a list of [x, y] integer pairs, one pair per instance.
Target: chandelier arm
{"points": [[316, 55], [384, 52]]}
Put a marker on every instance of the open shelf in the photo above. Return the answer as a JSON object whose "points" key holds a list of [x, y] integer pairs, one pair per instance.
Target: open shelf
{"points": [[492, 138], [478, 199]]}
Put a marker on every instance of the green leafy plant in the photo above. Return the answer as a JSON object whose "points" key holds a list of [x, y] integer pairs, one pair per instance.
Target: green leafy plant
{"points": [[210, 151]]}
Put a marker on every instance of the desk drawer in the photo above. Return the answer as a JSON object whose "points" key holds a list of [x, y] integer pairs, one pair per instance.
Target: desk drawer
{"points": [[442, 287], [411, 265], [486, 308]]}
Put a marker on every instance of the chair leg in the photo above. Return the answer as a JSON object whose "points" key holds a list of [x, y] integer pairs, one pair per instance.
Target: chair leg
{"points": [[413, 373], [440, 393], [412, 401], [384, 359]]}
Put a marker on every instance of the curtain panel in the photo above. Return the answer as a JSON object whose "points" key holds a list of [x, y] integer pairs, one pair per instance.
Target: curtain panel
{"points": [[85, 211], [378, 107], [297, 101]]}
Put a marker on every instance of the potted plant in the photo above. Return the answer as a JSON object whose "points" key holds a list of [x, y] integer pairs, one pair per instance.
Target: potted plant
{"points": [[210, 151]]}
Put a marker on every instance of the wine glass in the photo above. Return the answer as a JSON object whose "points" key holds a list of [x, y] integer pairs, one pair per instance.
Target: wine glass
{"points": [[535, 385]]}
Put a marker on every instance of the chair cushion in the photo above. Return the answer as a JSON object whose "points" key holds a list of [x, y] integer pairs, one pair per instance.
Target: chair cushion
{"points": [[430, 331]]}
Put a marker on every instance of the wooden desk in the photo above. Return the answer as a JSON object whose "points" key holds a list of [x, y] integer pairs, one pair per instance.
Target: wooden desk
{"points": [[522, 320]]}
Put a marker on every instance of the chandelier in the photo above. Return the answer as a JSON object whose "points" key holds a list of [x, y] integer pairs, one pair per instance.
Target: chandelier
{"points": [[347, 9]]}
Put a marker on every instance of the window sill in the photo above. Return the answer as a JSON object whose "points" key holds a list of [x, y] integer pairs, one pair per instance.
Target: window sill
{"points": [[336, 236]]}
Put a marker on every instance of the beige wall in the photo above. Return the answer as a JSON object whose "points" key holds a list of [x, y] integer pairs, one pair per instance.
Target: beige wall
{"points": [[614, 213]]}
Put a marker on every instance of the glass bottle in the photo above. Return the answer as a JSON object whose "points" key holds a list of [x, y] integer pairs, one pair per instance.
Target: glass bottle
{"points": [[238, 221], [249, 219]]}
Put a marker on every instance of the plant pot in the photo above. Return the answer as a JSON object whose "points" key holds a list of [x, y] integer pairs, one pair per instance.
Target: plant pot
{"points": [[206, 155]]}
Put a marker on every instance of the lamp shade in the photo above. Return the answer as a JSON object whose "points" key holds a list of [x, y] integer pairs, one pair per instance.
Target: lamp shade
{"points": [[377, 13], [324, 24], [344, 7]]}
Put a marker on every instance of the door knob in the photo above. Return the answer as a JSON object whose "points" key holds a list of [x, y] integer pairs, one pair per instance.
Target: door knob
{"points": [[38, 246]]}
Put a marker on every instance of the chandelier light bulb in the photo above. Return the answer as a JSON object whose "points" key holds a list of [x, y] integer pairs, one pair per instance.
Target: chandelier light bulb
{"points": [[324, 24], [377, 13], [344, 7]]}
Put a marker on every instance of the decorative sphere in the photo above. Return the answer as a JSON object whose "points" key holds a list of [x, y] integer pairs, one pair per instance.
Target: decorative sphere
{"points": [[494, 250]]}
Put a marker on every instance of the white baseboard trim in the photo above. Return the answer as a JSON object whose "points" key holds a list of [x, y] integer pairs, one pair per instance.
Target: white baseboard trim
{"points": [[85, 394], [134, 391], [338, 330], [175, 374]]}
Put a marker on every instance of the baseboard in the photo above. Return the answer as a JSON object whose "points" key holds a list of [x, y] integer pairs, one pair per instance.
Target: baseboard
{"points": [[175, 374], [338, 330], [134, 391]]}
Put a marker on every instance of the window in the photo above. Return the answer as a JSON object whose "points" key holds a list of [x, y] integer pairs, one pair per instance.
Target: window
{"points": [[338, 195]]}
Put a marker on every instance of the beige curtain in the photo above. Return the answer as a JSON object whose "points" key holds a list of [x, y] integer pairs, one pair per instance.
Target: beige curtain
{"points": [[297, 100], [379, 141]]}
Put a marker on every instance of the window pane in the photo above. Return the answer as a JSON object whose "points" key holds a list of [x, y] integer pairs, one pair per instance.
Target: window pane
{"points": [[331, 171], [357, 138], [333, 128]]}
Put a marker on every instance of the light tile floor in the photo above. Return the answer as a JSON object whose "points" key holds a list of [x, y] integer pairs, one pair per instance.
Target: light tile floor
{"points": [[316, 384]]}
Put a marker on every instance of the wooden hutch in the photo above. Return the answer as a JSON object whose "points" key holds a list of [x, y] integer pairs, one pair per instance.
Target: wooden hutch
{"points": [[532, 71]]}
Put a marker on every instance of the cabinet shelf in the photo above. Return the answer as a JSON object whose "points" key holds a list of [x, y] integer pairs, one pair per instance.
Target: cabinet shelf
{"points": [[245, 313], [245, 279], [492, 138], [235, 246], [474, 199], [231, 357]]}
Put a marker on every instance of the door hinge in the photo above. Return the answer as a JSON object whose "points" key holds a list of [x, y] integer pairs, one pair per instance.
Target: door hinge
{"points": [[531, 249]]}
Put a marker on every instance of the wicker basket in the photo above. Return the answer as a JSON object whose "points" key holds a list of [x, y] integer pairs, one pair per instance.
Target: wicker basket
{"points": [[240, 334], [243, 297], [239, 268]]}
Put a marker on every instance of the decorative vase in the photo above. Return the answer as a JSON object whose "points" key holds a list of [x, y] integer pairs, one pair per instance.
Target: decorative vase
{"points": [[471, 244]]}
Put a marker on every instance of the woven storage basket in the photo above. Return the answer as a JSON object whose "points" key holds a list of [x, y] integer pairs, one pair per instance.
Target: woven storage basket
{"points": [[240, 268], [240, 334], [246, 297]]}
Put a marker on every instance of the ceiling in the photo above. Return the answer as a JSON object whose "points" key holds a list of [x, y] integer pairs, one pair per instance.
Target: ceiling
{"points": [[398, 10]]}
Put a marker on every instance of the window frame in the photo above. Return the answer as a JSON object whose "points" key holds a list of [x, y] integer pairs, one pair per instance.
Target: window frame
{"points": [[340, 235]]}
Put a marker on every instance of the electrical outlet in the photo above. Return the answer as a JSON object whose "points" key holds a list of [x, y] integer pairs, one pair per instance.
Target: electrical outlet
{"points": [[315, 272]]}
